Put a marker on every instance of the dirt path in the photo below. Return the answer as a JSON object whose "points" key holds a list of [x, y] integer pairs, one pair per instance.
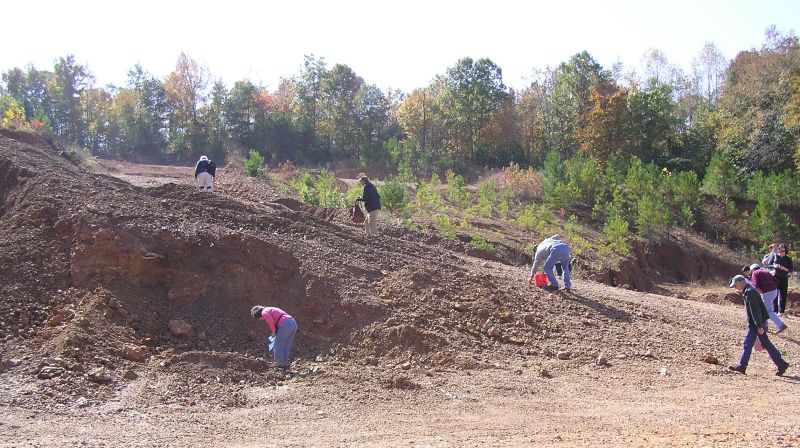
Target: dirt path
{"points": [[633, 402]]}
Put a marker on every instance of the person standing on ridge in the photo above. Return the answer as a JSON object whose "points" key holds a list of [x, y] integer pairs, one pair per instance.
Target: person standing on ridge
{"points": [[756, 328], [769, 257], [372, 203], [204, 172], [781, 263], [283, 326], [549, 252]]}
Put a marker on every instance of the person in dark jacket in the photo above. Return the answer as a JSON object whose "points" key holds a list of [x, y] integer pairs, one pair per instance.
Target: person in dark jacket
{"points": [[204, 172], [372, 203], [766, 284], [781, 263], [756, 327]]}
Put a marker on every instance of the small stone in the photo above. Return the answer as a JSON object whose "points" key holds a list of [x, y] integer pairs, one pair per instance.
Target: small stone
{"points": [[181, 328], [401, 382], [563, 355], [663, 371], [48, 372], [391, 322], [601, 361], [12, 362], [81, 402], [544, 373], [518, 371], [709, 359], [54, 362], [461, 306], [649, 354], [130, 375], [132, 352], [99, 375]]}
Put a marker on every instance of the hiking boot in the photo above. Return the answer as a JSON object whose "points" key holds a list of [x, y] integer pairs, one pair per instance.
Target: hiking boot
{"points": [[738, 368], [781, 329], [782, 369]]}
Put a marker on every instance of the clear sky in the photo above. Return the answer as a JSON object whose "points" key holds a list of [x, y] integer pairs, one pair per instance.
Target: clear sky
{"points": [[399, 44]]}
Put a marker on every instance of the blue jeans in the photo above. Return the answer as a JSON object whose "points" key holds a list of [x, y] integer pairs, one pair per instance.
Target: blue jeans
{"points": [[284, 338], [750, 340], [768, 298], [558, 254]]}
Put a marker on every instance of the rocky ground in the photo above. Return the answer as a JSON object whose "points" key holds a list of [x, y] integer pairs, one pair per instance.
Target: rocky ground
{"points": [[123, 322]]}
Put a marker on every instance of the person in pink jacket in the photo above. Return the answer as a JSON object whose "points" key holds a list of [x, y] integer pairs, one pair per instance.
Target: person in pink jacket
{"points": [[283, 326]]}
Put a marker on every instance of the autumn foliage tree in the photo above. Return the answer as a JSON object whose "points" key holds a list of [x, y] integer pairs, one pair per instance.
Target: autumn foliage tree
{"points": [[757, 90], [185, 93], [606, 126]]}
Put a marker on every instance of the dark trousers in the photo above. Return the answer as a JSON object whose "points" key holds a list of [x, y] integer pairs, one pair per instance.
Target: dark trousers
{"points": [[779, 304], [750, 340]]}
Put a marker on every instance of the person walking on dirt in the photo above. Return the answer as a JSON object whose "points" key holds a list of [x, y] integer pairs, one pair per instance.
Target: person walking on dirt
{"points": [[204, 172], [549, 252], [781, 263], [283, 327], [372, 203], [756, 328], [766, 284]]}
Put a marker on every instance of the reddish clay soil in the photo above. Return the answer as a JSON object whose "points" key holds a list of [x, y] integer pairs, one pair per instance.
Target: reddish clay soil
{"points": [[405, 339]]}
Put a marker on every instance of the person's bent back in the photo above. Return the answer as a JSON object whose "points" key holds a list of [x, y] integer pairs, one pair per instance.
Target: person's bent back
{"points": [[204, 172]]}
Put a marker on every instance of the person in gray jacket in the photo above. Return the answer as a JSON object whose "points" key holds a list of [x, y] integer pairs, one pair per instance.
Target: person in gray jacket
{"points": [[549, 252]]}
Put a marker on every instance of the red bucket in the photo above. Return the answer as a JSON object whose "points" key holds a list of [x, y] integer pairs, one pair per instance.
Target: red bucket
{"points": [[540, 279]]}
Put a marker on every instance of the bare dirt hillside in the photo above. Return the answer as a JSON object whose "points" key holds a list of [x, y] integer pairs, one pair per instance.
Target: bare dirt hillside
{"points": [[124, 298]]}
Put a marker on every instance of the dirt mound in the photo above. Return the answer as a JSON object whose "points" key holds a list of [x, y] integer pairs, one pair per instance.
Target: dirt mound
{"points": [[124, 304], [36, 140], [95, 268]]}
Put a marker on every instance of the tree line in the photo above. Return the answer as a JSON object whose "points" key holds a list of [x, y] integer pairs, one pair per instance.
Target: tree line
{"points": [[617, 141], [746, 110]]}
